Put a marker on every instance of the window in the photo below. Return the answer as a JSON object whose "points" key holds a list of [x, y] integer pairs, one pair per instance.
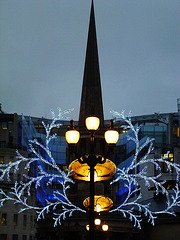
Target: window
{"points": [[1, 159], [176, 131], [3, 236], [168, 157], [2, 144], [24, 237], [19, 177], [14, 237], [10, 125], [31, 221], [4, 125], [4, 219], [11, 177], [24, 220], [15, 220], [11, 160]]}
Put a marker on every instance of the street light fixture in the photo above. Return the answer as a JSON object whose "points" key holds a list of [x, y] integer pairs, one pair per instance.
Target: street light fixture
{"points": [[92, 123], [105, 227], [111, 136], [97, 221], [85, 167], [72, 135]]}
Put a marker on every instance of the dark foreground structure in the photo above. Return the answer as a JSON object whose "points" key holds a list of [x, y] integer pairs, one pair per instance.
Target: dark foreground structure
{"points": [[15, 130]]}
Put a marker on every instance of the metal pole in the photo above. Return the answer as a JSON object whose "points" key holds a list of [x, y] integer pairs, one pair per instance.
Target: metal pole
{"points": [[92, 163], [91, 210]]}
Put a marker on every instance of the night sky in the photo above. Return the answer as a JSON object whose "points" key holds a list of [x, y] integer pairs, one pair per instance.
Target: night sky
{"points": [[43, 45]]}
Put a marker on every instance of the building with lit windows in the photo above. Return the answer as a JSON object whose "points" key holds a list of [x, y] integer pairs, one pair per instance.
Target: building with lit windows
{"points": [[15, 130]]}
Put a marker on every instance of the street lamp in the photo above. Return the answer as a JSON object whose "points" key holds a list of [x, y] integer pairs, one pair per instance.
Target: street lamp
{"points": [[97, 221], [92, 123], [105, 227], [90, 165], [72, 135], [111, 136]]}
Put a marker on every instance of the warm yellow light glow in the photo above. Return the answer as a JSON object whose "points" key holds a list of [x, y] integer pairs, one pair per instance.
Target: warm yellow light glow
{"points": [[105, 227], [104, 171], [168, 156], [72, 136], [92, 123], [111, 136], [87, 227], [98, 208], [97, 221], [101, 203], [95, 176]]}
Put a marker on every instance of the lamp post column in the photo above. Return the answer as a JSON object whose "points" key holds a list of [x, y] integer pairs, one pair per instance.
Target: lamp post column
{"points": [[91, 210]]}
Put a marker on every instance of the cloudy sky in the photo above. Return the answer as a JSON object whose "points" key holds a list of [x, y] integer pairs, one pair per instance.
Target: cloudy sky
{"points": [[42, 53]]}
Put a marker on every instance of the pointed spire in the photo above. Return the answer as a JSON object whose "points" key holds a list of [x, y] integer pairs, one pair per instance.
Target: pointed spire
{"points": [[91, 98]]}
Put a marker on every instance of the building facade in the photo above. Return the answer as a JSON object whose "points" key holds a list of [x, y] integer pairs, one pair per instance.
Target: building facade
{"points": [[16, 130]]}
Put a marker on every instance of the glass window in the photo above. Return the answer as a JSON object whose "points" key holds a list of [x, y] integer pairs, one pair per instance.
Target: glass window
{"points": [[168, 157], [3, 236], [24, 220], [4, 219], [10, 125], [11, 177], [15, 220], [4, 125], [14, 237], [1, 159], [24, 237], [2, 144], [31, 221], [19, 177]]}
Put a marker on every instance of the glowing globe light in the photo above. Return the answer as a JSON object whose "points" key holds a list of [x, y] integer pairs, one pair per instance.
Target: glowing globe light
{"points": [[111, 136], [105, 227], [92, 123], [87, 227], [72, 135], [97, 221]]}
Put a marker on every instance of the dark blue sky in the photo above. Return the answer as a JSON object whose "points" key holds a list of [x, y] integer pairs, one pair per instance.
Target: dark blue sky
{"points": [[43, 44]]}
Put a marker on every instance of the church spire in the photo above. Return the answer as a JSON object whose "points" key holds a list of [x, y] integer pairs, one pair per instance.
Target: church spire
{"points": [[91, 98]]}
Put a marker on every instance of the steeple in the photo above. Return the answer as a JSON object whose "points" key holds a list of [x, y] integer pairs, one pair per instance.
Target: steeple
{"points": [[91, 98]]}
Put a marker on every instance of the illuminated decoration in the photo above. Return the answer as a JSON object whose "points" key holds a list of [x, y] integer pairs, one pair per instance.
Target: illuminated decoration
{"points": [[101, 203], [92, 123], [97, 221], [105, 227], [111, 136], [61, 206], [133, 179], [72, 135], [64, 179], [81, 171]]}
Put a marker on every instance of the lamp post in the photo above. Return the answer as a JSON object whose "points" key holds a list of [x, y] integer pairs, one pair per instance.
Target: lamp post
{"points": [[111, 136]]}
